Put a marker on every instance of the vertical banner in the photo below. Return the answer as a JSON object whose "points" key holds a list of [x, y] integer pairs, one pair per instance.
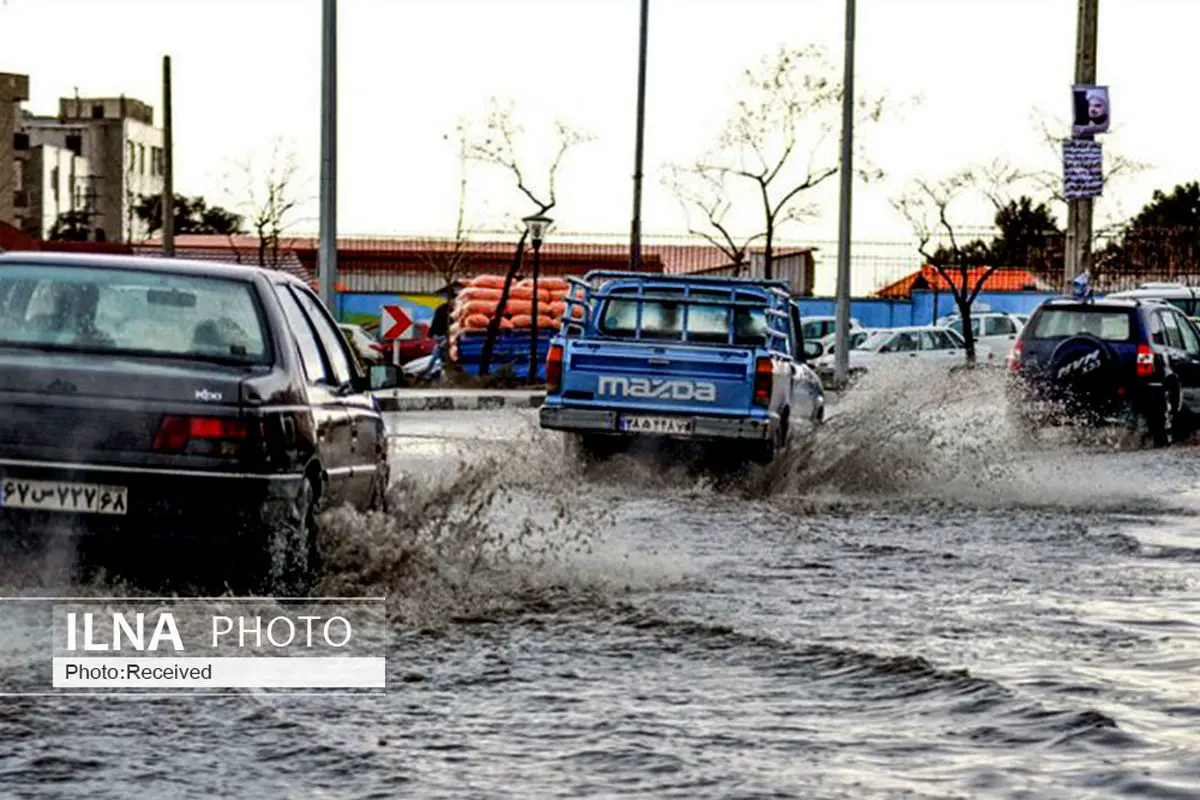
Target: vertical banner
{"points": [[1083, 169]]}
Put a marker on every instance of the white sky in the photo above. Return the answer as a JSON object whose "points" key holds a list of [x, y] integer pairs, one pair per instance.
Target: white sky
{"points": [[248, 71]]}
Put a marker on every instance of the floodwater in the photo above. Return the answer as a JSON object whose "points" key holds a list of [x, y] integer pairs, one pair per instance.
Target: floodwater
{"points": [[914, 608]]}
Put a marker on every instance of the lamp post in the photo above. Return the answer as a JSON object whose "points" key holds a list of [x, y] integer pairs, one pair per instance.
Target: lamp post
{"points": [[537, 225]]}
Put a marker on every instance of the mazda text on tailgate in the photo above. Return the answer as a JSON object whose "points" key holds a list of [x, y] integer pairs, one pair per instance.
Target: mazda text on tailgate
{"points": [[708, 360], [166, 398]]}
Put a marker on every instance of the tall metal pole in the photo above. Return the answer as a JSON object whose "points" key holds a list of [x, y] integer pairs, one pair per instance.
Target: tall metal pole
{"points": [[635, 236], [168, 165], [1078, 257], [533, 314], [841, 356], [327, 255]]}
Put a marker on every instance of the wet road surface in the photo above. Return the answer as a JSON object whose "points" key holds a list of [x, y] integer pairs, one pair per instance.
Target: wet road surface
{"points": [[915, 610]]}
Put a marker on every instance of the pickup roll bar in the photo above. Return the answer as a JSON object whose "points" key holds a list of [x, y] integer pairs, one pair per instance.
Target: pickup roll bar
{"points": [[585, 294]]}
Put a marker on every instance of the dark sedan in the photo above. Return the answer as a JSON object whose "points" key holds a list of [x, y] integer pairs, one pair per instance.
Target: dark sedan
{"points": [[181, 399]]}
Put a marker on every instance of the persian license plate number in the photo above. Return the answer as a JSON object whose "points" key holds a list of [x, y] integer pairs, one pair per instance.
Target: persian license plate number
{"points": [[677, 426], [80, 498]]}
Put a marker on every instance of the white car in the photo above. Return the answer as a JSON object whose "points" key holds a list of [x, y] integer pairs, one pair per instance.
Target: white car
{"points": [[995, 333], [1185, 298], [361, 341], [816, 328], [919, 344], [857, 337]]}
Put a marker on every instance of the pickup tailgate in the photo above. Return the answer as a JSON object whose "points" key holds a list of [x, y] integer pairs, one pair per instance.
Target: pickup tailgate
{"points": [[669, 378]]}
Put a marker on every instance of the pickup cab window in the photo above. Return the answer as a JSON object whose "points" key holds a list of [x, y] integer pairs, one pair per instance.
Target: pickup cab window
{"points": [[663, 320]]}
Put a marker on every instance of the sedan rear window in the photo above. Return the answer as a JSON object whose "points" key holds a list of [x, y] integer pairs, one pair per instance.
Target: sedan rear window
{"points": [[1111, 326], [131, 312]]}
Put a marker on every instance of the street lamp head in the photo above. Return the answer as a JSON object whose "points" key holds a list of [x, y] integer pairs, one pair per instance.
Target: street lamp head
{"points": [[537, 225]]}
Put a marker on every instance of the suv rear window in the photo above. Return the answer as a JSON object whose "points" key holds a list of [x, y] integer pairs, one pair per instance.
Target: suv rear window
{"points": [[1111, 326], [131, 312], [663, 320]]}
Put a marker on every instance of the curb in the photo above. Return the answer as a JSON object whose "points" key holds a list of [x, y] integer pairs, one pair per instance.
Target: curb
{"points": [[482, 401]]}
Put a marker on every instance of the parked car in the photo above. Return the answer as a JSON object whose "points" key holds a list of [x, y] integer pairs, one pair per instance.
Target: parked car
{"points": [[857, 337], [816, 328], [1108, 361], [733, 377], [368, 349], [994, 333], [164, 397], [1185, 298], [916, 344]]}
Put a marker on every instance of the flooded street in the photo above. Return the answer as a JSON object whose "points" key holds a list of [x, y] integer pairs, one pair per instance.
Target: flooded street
{"points": [[911, 610]]}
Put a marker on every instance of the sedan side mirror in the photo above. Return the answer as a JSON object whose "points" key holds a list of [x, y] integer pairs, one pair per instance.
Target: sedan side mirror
{"points": [[813, 349]]}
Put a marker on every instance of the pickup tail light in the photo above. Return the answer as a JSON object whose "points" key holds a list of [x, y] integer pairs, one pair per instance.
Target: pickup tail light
{"points": [[1145, 361], [764, 379], [554, 363], [212, 436], [1014, 358]]}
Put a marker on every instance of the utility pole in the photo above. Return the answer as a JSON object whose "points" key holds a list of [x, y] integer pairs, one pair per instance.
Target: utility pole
{"points": [[327, 249], [168, 166], [1078, 255], [841, 358], [635, 236]]}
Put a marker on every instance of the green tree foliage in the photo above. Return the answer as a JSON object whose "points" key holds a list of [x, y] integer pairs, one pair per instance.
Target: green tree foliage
{"points": [[1028, 237], [193, 215], [1161, 242]]}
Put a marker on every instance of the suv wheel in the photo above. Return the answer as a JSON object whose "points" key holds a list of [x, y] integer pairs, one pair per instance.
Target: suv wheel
{"points": [[1164, 427]]}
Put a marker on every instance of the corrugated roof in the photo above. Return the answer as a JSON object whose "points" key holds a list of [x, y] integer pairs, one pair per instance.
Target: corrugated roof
{"points": [[1002, 279]]}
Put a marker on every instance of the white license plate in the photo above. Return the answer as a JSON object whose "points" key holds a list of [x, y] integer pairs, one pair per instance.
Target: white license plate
{"points": [[86, 498], [678, 426]]}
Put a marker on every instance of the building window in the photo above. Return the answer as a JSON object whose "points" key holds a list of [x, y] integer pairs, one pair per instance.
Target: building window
{"points": [[20, 141], [141, 159], [54, 176], [75, 144], [98, 111], [132, 157], [19, 177]]}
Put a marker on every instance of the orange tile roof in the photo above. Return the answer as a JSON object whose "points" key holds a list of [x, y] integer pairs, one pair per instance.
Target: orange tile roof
{"points": [[1003, 279]]}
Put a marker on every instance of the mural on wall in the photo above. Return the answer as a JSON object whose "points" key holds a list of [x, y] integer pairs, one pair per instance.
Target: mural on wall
{"points": [[364, 309]]}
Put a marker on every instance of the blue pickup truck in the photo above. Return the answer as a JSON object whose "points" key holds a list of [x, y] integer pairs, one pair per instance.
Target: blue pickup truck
{"points": [[708, 360]]}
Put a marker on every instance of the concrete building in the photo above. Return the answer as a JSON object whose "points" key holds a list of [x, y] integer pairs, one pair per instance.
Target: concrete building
{"points": [[14, 90], [124, 152], [118, 159]]}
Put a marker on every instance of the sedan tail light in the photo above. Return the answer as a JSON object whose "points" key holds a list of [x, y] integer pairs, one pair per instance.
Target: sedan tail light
{"points": [[764, 380], [1145, 361], [213, 436]]}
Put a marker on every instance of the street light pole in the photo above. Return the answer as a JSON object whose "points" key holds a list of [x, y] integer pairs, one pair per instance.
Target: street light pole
{"points": [[841, 356], [1078, 255], [537, 225], [635, 239], [327, 254]]}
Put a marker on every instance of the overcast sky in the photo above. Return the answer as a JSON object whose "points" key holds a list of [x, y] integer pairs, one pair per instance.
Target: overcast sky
{"points": [[248, 71]]}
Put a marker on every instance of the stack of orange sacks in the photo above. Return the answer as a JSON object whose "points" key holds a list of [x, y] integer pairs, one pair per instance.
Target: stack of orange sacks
{"points": [[476, 305]]}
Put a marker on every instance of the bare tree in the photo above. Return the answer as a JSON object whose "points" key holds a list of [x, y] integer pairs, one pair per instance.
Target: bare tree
{"points": [[706, 193], [496, 144], [271, 196], [926, 205], [454, 262], [782, 138]]}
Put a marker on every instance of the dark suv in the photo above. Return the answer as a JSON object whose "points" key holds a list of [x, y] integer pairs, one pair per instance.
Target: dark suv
{"points": [[1135, 362]]}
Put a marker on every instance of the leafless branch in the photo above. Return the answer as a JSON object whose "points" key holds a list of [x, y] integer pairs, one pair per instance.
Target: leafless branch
{"points": [[496, 144], [780, 139]]}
